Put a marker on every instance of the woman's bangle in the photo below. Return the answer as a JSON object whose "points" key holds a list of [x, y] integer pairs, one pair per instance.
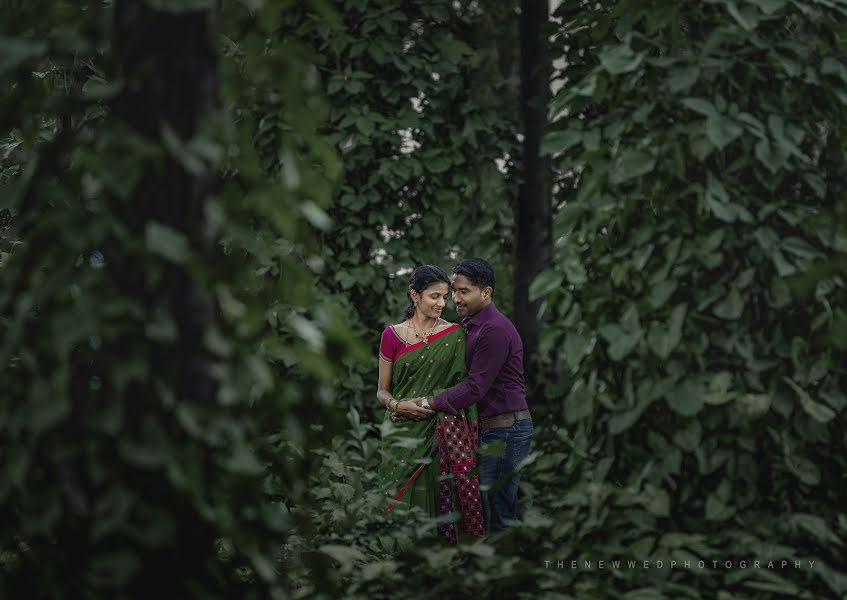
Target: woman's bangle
{"points": [[392, 404]]}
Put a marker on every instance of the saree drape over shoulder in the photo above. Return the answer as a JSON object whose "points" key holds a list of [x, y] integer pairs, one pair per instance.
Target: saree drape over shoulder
{"points": [[432, 463]]}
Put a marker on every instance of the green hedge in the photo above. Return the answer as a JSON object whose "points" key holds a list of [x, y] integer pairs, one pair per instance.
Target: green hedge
{"points": [[697, 333]]}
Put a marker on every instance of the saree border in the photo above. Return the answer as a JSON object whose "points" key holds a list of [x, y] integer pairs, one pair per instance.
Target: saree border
{"points": [[444, 332]]}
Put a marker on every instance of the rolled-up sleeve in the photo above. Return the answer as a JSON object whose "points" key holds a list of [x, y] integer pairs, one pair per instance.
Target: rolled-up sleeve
{"points": [[490, 353]]}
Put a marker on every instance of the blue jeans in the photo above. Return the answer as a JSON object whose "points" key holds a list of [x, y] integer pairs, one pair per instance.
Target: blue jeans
{"points": [[497, 473]]}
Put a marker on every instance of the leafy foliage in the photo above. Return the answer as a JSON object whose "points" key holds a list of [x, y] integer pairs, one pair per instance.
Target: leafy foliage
{"points": [[123, 455], [696, 343], [695, 327], [420, 113]]}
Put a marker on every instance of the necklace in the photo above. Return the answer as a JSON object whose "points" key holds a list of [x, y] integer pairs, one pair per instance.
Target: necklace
{"points": [[424, 336]]}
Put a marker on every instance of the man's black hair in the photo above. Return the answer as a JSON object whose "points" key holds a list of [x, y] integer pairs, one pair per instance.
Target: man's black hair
{"points": [[478, 271]]}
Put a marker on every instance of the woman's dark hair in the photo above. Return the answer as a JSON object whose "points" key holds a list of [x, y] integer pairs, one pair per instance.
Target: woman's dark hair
{"points": [[421, 278], [478, 271]]}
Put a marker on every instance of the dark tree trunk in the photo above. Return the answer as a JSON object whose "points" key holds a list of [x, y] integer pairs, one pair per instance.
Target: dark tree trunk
{"points": [[534, 209], [169, 64]]}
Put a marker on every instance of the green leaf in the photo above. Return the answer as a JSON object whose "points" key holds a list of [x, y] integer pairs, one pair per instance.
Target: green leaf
{"points": [[783, 266], [347, 556], [656, 501], [663, 339], [622, 421], [700, 105], [688, 437], [722, 210], [686, 399], [641, 255], [817, 526], [767, 238], [632, 163], [621, 342], [497, 448], [818, 411], [365, 125], [544, 283], [480, 549], [717, 510], [566, 219], [769, 7], [731, 307], [243, 461], [753, 406], [166, 241], [721, 130], [576, 346], [833, 66], [746, 16], [620, 59], [661, 292], [336, 83], [377, 52], [718, 390], [316, 215], [579, 403], [535, 519], [439, 164], [97, 89], [455, 50], [559, 141], [803, 468], [574, 270], [772, 159], [682, 78], [17, 51]]}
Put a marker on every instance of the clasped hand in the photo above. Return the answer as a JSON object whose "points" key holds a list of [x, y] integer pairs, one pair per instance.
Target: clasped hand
{"points": [[410, 408]]}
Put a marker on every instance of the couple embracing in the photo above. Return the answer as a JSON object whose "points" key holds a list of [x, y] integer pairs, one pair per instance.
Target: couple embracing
{"points": [[446, 388]]}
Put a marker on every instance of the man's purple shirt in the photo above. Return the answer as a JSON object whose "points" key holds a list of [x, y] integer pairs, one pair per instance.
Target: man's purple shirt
{"points": [[494, 357]]}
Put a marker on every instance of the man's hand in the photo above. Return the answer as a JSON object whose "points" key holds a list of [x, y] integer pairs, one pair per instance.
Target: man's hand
{"points": [[429, 405], [411, 409]]}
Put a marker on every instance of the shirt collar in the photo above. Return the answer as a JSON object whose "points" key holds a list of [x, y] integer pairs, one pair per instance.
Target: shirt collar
{"points": [[479, 318]]}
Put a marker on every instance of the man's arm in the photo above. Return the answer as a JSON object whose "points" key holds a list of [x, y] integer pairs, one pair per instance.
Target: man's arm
{"points": [[490, 353]]}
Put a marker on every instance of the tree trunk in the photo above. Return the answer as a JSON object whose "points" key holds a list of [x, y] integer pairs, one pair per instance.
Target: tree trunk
{"points": [[535, 203], [169, 62]]}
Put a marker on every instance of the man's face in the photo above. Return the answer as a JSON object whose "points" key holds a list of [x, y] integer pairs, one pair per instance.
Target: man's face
{"points": [[468, 298]]}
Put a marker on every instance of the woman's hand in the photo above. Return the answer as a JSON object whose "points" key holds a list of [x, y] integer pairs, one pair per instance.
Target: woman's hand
{"points": [[409, 408]]}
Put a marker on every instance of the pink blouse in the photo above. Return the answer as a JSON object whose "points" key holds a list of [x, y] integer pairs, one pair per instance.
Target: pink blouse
{"points": [[390, 344]]}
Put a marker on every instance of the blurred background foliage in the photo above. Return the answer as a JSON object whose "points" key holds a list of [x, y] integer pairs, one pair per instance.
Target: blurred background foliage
{"points": [[209, 210]]}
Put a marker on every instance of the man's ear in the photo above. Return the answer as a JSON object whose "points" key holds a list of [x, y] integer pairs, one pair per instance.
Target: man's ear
{"points": [[487, 292]]}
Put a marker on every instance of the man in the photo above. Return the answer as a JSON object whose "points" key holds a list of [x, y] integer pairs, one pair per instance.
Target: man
{"points": [[494, 357]]}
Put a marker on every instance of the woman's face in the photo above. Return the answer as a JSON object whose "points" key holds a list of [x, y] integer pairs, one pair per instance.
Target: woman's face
{"points": [[433, 300]]}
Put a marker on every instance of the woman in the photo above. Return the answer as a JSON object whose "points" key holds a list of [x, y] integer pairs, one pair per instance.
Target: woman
{"points": [[428, 461]]}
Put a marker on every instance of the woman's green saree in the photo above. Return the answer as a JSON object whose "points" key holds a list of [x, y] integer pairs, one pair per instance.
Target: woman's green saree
{"points": [[431, 463]]}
